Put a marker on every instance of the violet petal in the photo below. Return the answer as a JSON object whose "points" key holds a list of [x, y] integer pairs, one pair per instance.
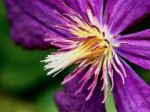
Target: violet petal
{"points": [[133, 96], [31, 20], [67, 101], [81, 6], [125, 13], [136, 48], [110, 4]]}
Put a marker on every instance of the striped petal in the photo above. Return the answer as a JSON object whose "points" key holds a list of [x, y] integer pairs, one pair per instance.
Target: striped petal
{"points": [[121, 14], [136, 48], [31, 20], [133, 96], [68, 101]]}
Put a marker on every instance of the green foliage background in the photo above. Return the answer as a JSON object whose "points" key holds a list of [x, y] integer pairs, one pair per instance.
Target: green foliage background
{"points": [[24, 86]]}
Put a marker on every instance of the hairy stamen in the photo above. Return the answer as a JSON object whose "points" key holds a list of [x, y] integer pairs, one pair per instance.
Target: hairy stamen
{"points": [[88, 46]]}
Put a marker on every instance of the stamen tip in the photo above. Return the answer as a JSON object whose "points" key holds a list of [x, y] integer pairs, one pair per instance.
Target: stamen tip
{"points": [[47, 74], [87, 99], [42, 61], [103, 102], [63, 82]]}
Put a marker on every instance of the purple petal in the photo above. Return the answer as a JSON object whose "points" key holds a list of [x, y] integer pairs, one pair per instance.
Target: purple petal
{"points": [[81, 6], [78, 5], [136, 48], [110, 4], [134, 96], [31, 20], [98, 6], [75, 5], [120, 14], [67, 101]]}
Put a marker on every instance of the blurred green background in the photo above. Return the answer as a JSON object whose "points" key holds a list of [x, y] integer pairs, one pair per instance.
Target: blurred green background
{"points": [[24, 86]]}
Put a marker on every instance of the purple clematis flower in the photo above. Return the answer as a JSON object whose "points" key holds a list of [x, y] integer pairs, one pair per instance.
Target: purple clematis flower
{"points": [[88, 33]]}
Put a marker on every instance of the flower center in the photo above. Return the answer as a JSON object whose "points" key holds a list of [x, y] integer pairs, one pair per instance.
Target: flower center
{"points": [[92, 48], [90, 45]]}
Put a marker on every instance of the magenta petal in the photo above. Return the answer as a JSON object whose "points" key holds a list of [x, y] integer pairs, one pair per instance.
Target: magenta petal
{"points": [[98, 6], [136, 48], [67, 101], [78, 5], [124, 13], [81, 7], [30, 21], [134, 96], [110, 4], [75, 5]]}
